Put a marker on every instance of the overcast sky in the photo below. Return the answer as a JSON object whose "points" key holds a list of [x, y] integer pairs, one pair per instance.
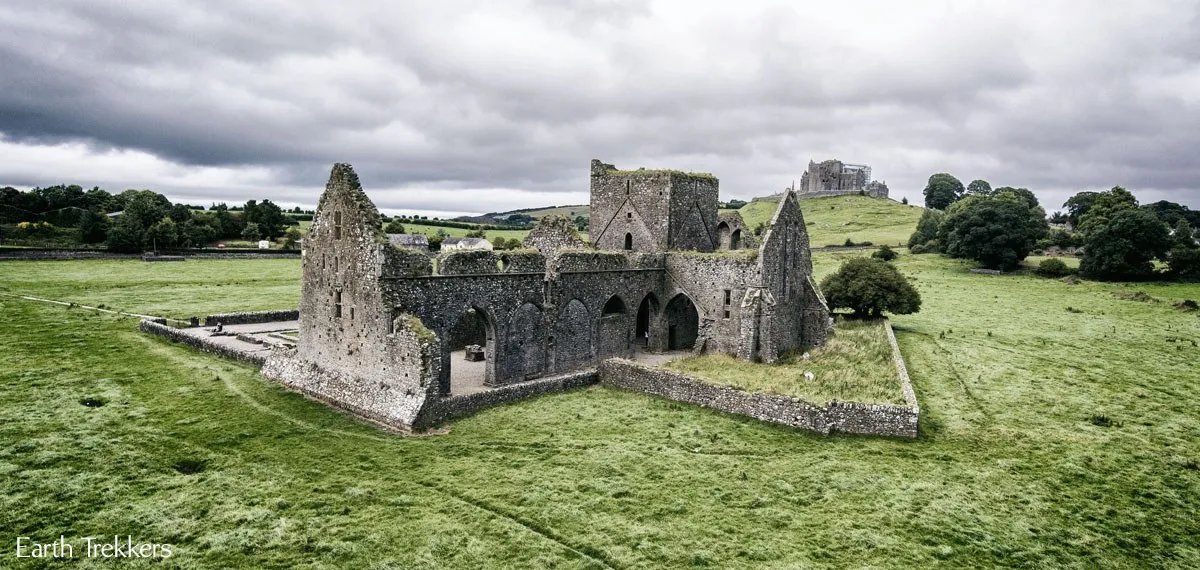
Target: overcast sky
{"points": [[485, 106]]}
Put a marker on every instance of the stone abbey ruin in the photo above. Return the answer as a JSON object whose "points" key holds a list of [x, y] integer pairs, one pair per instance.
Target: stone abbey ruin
{"points": [[835, 178], [664, 272]]}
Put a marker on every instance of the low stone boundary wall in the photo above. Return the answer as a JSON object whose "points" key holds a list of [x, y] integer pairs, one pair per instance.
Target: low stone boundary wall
{"points": [[200, 343], [251, 317], [843, 417], [447, 408]]}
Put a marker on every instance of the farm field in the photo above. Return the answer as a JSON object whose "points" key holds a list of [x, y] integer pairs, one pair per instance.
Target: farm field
{"points": [[1050, 438]]}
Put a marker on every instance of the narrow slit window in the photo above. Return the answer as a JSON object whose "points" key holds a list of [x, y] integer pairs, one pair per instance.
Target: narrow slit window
{"points": [[337, 224], [337, 303], [628, 186], [628, 242]]}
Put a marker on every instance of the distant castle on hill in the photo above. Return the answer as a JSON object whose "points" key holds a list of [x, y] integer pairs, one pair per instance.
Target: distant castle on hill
{"points": [[835, 178]]}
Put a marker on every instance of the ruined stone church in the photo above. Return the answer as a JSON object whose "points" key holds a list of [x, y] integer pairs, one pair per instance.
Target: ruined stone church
{"points": [[383, 328]]}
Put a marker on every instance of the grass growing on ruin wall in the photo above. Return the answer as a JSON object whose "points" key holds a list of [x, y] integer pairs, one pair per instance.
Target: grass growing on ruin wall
{"points": [[1060, 440], [854, 366]]}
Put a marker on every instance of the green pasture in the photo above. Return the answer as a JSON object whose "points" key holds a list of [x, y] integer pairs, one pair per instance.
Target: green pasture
{"points": [[1050, 438]]}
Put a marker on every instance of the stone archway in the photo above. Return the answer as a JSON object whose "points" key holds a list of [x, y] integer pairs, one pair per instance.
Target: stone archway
{"points": [[683, 323], [645, 328], [723, 235], [466, 370], [613, 337]]}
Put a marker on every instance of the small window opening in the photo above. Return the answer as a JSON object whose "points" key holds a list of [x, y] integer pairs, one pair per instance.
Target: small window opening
{"points": [[628, 215], [337, 224], [337, 303], [628, 186], [335, 264], [728, 302], [352, 313], [628, 242]]}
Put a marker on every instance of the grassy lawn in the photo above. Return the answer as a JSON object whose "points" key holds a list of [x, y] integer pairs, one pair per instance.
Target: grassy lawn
{"points": [[832, 220], [854, 366], [1014, 467]]}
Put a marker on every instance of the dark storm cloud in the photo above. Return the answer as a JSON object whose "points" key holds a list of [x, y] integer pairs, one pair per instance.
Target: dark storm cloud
{"points": [[454, 106]]}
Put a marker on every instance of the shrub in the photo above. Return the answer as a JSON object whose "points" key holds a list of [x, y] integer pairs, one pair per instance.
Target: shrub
{"points": [[1184, 263], [869, 287], [931, 246], [1053, 267], [885, 253], [849, 243], [927, 230]]}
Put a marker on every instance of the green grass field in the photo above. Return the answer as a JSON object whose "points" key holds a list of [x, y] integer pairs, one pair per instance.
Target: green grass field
{"points": [[1050, 439], [854, 366], [832, 220]]}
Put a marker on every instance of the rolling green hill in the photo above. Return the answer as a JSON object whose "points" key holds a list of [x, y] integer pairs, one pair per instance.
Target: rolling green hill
{"points": [[833, 220]]}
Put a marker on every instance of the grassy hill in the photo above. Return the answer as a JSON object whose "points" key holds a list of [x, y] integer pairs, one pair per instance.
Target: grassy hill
{"points": [[833, 220]]}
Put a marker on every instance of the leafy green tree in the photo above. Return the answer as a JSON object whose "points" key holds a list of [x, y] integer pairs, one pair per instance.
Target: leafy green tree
{"points": [[180, 213], [394, 227], [225, 223], [979, 188], [251, 232], [1065, 239], [998, 231], [1078, 205], [927, 228], [93, 227], [1124, 247], [162, 234], [292, 237], [1184, 263], [125, 236], [193, 233], [942, 190], [1106, 205], [1170, 212], [270, 219], [869, 287], [1184, 235], [1022, 193], [476, 234]]}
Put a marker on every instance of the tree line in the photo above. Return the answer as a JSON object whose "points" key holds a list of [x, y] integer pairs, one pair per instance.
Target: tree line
{"points": [[1120, 239], [136, 220]]}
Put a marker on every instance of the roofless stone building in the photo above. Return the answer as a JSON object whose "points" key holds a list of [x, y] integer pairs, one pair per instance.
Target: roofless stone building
{"points": [[664, 271]]}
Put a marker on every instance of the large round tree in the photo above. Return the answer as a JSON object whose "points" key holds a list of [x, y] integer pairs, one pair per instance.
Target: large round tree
{"points": [[942, 190], [1124, 246], [998, 231], [869, 287]]}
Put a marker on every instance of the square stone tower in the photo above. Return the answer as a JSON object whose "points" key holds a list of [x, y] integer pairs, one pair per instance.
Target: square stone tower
{"points": [[652, 210]]}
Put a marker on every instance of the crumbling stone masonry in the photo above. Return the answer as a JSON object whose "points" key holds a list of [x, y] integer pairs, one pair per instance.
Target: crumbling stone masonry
{"points": [[378, 324], [835, 178]]}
